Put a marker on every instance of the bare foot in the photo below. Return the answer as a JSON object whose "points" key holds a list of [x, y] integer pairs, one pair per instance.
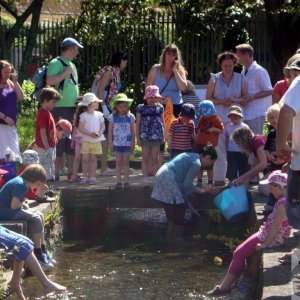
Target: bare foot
{"points": [[53, 287], [16, 289]]}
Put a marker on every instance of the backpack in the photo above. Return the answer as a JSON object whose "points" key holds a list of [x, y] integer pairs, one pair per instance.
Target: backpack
{"points": [[39, 80]]}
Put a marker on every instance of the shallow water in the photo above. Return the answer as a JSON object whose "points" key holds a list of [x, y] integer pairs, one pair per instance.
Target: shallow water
{"points": [[122, 255]]}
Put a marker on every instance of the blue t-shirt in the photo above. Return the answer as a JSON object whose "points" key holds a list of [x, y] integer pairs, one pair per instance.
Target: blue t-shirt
{"points": [[151, 128], [15, 187], [122, 129], [186, 167]]}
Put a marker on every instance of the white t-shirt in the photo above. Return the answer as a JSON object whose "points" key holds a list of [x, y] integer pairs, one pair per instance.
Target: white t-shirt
{"points": [[229, 130], [258, 80], [92, 122], [292, 99]]}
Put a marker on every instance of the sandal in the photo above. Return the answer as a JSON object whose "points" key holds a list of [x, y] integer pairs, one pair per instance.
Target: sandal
{"points": [[286, 259], [119, 185], [216, 291], [126, 185]]}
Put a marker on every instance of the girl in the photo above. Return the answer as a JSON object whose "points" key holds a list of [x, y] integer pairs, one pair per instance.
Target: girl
{"points": [[272, 233], [76, 144], [121, 136], [150, 127], [91, 126], [252, 144]]}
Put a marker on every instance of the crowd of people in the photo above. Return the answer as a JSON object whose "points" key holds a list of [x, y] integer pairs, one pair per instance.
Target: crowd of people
{"points": [[221, 135]]}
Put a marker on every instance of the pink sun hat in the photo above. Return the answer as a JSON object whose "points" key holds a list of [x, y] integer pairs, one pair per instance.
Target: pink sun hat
{"points": [[152, 91], [276, 177]]}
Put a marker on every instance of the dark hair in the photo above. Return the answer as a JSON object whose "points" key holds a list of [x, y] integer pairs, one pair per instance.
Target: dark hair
{"points": [[34, 173], [117, 57], [48, 94], [227, 55], [66, 48], [79, 110], [210, 150]]}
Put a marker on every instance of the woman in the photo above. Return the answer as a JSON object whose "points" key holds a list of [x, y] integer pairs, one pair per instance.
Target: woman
{"points": [[174, 182], [106, 85], [10, 93], [253, 145], [224, 89], [170, 76]]}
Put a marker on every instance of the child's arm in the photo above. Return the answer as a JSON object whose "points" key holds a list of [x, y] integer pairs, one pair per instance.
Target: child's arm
{"points": [[137, 128], [110, 134], [164, 126], [132, 129], [44, 138], [15, 203], [170, 136], [102, 128], [215, 130], [279, 217], [83, 130]]}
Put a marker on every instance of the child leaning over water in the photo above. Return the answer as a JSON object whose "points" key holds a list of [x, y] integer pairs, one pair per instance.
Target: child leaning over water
{"points": [[272, 233], [121, 136]]}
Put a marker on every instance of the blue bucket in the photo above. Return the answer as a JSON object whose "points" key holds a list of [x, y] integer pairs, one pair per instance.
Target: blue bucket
{"points": [[233, 203]]}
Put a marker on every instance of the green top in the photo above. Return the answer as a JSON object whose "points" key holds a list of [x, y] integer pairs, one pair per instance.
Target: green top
{"points": [[70, 91]]}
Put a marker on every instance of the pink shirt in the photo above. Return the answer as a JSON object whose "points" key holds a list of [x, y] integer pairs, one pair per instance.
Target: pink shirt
{"points": [[281, 87], [284, 229], [258, 141]]}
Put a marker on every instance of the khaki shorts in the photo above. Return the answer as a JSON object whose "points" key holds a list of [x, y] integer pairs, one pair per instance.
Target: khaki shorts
{"points": [[91, 148]]}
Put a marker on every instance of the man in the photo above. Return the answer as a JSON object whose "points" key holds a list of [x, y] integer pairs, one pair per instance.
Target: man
{"points": [[62, 74], [259, 86]]}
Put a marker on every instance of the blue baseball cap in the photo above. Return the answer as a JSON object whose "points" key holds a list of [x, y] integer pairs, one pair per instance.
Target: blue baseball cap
{"points": [[70, 42]]}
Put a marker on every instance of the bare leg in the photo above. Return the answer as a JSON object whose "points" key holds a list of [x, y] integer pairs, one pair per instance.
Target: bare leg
{"points": [[37, 239], [70, 162], [85, 165], [154, 155], [14, 284], [93, 165], [119, 164], [126, 168], [227, 282], [145, 161], [104, 145], [76, 162]]}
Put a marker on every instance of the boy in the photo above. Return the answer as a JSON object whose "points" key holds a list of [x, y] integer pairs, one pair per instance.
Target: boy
{"points": [[12, 196], [182, 131], [45, 130], [237, 160]]}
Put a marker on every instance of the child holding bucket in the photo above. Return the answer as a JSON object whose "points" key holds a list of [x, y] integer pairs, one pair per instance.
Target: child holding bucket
{"points": [[272, 233]]}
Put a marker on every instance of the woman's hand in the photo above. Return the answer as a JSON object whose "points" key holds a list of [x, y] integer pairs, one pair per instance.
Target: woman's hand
{"points": [[175, 65], [237, 182], [226, 102], [14, 77]]}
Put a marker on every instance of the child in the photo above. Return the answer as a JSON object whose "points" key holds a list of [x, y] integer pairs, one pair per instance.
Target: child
{"points": [[272, 233], [22, 251], [45, 130], [91, 127], [150, 128], [237, 160], [207, 131], [182, 131], [121, 136], [12, 196], [76, 144]]}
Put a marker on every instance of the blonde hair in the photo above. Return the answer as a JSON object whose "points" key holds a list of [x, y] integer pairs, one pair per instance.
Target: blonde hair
{"points": [[275, 108], [243, 137], [245, 48], [34, 173], [171, 48]]}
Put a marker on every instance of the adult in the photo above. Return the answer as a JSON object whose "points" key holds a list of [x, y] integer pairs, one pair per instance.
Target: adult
{"points": [[62, 74], [224, 89], [10, 93], [106, 85], [170, 76], [259, 96], [174, 182], [290, 113], [253, 145]]}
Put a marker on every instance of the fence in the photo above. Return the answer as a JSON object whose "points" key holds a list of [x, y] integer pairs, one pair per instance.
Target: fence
{"points": [[143, 46]]}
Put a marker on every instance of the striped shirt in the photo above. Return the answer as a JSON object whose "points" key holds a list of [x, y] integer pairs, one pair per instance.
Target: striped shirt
{"points": [[181, 134]]}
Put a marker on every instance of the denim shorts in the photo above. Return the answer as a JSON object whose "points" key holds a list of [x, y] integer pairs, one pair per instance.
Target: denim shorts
{"points": [[122, 150], [17, 244]]}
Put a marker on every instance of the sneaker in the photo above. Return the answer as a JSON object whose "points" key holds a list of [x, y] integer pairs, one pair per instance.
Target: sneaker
{"points": [[217, 292], [50, 257], [83, 180], [92, 181], [108, 172], [43, 260], [118, 185]]}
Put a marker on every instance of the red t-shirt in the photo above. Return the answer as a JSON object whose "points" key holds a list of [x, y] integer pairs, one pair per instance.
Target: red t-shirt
{"points": [[257, 142], [281, 87], [45, 120]]}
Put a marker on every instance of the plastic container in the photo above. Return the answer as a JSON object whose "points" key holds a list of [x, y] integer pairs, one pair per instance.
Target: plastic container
{"points": [[233, 203]]}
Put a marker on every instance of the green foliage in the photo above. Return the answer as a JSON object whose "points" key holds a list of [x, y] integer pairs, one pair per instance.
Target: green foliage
{"points": [[54, 215]]}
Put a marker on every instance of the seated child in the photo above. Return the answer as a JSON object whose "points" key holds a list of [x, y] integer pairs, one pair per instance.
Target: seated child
{"points": [[207, 131], [182, 131], [272, 233], [12, 196], [21, 249]]}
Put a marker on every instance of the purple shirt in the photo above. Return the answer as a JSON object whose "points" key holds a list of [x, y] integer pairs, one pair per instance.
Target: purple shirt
{"points": [[8, 103], [258, 141]]}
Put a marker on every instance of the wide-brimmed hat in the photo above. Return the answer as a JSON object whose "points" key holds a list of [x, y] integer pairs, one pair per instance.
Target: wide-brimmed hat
{"points": [[206, 108], [70, 42], [88, 98], [188, 110], [66, 126], [30, 157], [120, 98], [235, 110], [152, 91], [276, 177], [293, 66]]}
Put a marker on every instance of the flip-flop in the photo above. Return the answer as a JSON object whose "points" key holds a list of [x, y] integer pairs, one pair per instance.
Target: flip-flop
{"points": [[285, 259]]}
